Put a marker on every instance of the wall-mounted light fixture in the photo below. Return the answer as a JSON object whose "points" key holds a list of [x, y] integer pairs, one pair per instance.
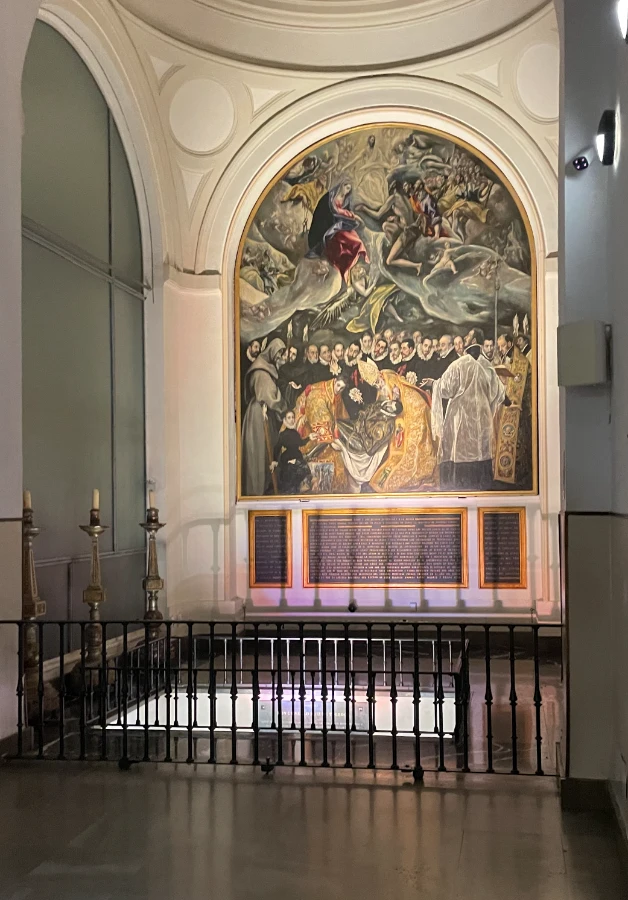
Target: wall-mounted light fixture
{"points": [[605, 141], [622, 15]]}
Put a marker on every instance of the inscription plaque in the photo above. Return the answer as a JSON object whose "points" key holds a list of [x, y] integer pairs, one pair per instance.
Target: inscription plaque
{"points": [[377, 548], [270, 548], [502, 547]]}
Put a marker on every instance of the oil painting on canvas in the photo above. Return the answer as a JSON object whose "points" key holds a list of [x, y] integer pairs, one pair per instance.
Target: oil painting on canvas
{"points": [[386, 324]]}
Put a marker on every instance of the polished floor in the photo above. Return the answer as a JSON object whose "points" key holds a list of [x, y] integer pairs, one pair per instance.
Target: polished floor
{"points": [[90, 832]]}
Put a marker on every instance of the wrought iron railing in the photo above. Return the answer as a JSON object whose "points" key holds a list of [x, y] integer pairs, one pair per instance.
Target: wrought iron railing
{"points": [[402, 695]]}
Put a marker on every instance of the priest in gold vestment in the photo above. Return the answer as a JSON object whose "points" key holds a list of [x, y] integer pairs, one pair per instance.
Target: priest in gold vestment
{"points": [[395, 452]]}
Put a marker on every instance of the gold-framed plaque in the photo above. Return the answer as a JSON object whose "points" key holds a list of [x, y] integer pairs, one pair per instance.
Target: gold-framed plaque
{"points": [[270, 548], [502, 547], [379, 548]]}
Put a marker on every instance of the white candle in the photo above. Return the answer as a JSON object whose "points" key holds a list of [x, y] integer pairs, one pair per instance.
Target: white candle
{"points": [[27, 500], [95, 499], [151, 499]]}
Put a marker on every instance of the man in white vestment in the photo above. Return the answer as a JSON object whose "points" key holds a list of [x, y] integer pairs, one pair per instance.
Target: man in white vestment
{"points": [[465, 432]]}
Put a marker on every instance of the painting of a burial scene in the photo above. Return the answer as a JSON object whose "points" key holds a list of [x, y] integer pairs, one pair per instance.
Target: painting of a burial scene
{"points": [[386, 324]]}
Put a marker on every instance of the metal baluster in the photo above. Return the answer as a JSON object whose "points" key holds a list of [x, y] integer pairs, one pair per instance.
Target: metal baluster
{"points": [[347, 654], [104, 693], [417, 772], [273, 720], [370, 695], [91, 693], [513, 700], [40, 690], [441, 700], [234, 697], [353, 725], [82, 695], [195, 690], [488, 699], [212, 687], [384, 658], [155, 674], [538, 700], [20, 689], [125, 693], [293, 724], [393, 696], [190, 689], [313, 700], [332, 727], [256, 695], [117, 687], [279, 700], [62, 691], [135, 670], [302, 692], [323, 657], [167, 651], [464, 699], [147, 681], [176, 685]]}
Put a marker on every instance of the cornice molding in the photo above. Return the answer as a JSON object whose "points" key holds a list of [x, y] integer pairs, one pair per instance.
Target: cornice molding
{"points": [[330, 36]]}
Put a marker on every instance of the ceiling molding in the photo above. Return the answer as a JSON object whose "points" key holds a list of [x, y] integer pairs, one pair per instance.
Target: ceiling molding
{"points": [[333, 36]]}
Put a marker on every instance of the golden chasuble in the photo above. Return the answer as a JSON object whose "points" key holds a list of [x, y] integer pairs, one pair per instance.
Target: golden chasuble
{"points": [[508, 420]]}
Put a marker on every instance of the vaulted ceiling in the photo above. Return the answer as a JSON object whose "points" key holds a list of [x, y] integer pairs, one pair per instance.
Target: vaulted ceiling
{"points": [[330, 35]]}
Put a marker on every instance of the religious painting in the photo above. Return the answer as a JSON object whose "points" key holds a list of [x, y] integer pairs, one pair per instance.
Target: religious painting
{"points": [[386, 324]]}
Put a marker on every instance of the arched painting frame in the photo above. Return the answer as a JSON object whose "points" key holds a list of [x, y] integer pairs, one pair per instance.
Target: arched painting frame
{"points": [[441, 243]]}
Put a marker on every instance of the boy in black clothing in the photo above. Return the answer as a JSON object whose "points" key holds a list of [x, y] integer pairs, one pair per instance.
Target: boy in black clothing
{"points": [[294, 473]]}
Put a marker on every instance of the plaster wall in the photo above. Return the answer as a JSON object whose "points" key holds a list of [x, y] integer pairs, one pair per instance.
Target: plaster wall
{"points": [[16, 21], [596, 433], [229, 125], [204, 132]]}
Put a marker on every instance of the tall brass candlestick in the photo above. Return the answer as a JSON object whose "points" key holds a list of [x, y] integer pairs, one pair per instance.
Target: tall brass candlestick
{"points": [[32, 608], [153, 583], [94, 594]]}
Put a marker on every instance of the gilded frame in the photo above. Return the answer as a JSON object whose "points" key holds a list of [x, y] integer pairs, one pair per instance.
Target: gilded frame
{"points": [[327, 513], [240, 497], [255, 514], [523, 563]]}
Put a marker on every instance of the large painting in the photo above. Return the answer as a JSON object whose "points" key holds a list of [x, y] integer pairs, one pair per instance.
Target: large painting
{"points": [[386, 324]]}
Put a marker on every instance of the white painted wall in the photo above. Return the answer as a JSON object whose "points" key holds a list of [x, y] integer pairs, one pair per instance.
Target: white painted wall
{"points": [[186, 177], [596, 437], [16, 22], [229, 124]]}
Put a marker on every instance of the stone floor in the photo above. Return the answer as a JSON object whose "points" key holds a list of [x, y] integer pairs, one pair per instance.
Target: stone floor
{"points": [[90, 832]]}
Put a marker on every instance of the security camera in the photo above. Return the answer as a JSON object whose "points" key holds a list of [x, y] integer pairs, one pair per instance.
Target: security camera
{"points": [[584, 158]]}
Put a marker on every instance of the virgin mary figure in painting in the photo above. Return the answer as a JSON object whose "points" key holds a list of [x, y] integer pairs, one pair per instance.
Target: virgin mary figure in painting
{"points": [[262, 420], [333, 232]]}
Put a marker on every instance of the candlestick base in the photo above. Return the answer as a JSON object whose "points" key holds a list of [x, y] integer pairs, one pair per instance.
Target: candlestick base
{"points": [[152, 583]]}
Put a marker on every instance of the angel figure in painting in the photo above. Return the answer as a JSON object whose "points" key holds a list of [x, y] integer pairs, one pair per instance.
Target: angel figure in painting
{"points": [[443, 262], [308, 180]]}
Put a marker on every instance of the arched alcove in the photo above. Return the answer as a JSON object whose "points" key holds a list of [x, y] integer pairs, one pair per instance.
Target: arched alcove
{"points": [[92, 240], [419, 103]]}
